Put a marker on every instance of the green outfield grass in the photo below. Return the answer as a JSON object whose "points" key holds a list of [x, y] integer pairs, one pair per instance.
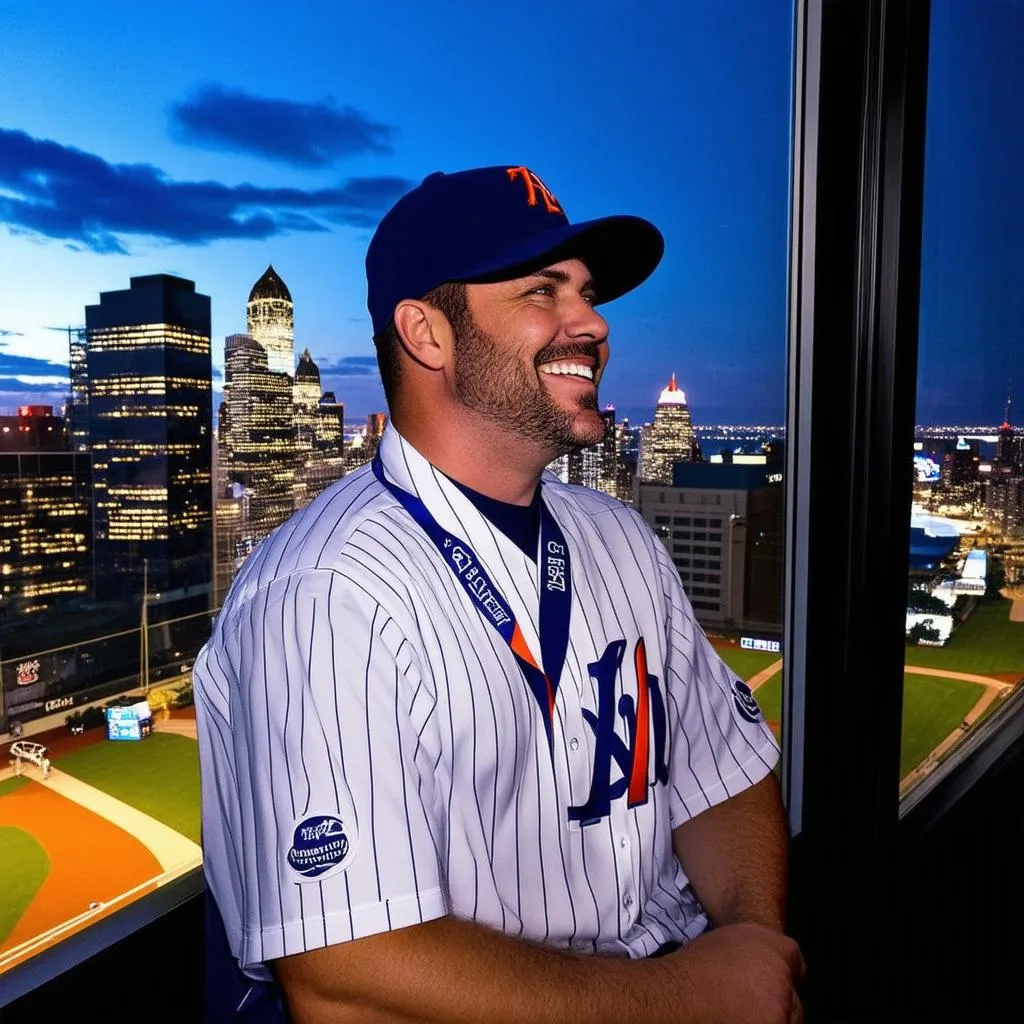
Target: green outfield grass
{"points": [[10, 785], [158, 776], [987, 643], [25, 867], [769, 697], [746, 663], [932, 708]]}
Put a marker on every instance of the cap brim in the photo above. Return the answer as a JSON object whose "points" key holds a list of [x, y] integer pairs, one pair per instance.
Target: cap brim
{"points": [[620, 252]]}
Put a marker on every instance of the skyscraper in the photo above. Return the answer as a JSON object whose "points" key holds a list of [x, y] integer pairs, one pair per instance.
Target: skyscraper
{"points": [[78, 407], [306, 404], [594, 466], [319, 433], [330, 429], [150, 432], [270, 320], [45, 515], [670, 438], [257, 434]]}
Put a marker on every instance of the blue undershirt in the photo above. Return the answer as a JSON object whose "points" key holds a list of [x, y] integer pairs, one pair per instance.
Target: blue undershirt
{"points": [[520, 523]]}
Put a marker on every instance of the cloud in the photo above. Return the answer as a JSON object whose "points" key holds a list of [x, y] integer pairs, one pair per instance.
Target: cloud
{"points": [[10, 334], [30, 366], [64, 193], [350, 366], [18, 387], [300, 134]]}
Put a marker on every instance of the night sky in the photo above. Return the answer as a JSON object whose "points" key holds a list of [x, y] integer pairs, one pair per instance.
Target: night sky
{"points": [[210, 139]]}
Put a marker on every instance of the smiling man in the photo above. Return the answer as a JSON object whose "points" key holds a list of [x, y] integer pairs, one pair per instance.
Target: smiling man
{"points": [[467, 755]]}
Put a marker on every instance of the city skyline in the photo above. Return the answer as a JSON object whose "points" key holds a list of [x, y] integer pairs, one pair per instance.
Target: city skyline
{"points": [[117, 161]]}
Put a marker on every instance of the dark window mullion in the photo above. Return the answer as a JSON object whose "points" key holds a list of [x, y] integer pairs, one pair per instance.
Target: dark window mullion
{"points": [[856, 227]]}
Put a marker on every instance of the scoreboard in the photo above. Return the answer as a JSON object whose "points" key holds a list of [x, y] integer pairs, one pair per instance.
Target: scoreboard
{"points": [[130, 722]]}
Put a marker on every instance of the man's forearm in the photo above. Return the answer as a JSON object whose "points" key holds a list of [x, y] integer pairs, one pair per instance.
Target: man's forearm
{"points": [[450, 971], [736, 856]]}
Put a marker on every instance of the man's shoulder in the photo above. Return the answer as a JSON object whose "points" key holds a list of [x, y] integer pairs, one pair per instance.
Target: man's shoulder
{"points": [[591, 503], [323, 537]]}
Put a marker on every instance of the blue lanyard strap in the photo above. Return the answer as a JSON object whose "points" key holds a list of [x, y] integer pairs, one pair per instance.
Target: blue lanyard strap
{"points": [[555, 594]]}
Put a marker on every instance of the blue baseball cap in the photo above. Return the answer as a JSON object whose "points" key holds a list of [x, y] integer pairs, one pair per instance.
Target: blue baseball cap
{"points": [[496, 223]]}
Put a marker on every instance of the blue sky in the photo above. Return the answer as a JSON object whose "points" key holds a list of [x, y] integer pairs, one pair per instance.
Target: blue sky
{"points": [[209, 139]]}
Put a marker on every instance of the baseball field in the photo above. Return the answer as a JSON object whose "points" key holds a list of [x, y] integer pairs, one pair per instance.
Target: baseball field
{"points": [[111, 823], [943, 687], [115, 820]]}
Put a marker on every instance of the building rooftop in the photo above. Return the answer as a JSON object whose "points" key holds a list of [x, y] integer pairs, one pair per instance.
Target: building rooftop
{"points": [[672, 395], [270, 286], [307, 370]]}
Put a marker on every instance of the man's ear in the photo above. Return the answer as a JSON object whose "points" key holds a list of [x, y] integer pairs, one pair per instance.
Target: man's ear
{"points": [[424, 332]]}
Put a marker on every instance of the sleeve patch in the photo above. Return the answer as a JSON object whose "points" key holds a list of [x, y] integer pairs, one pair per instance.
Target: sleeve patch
{"points": [[322, 845], [746, 703]]}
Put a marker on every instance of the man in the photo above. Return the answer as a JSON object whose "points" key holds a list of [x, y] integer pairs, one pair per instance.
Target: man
{"points": [[466, 754]]}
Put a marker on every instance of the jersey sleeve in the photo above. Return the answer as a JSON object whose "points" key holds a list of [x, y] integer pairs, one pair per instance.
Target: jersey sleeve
{"points": [[720, 742], [320, 823]]}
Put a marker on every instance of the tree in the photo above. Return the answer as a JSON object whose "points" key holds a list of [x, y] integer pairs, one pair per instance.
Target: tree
{"points": [[923, 631]]}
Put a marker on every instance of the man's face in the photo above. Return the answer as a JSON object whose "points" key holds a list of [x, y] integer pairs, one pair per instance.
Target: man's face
{"points": [[532, 356]]}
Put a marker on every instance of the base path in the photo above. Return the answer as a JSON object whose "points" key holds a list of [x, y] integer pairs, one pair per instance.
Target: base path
{"points": [[762, 677], [170, 848], [994, 688], [92, 861]]}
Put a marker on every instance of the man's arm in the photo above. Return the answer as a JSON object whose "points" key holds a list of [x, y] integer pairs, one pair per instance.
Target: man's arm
{"points": [[736, 856], [450, 971]]}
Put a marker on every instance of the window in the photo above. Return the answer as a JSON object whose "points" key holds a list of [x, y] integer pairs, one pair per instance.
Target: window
{"points": [[733, 62], [965, 593]]}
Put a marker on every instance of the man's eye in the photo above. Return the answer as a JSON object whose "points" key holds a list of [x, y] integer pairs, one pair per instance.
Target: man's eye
{"points": [[544, 289]]}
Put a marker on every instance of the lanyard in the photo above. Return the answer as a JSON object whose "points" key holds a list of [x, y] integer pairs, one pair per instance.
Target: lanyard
{"points": [[555, 594]]}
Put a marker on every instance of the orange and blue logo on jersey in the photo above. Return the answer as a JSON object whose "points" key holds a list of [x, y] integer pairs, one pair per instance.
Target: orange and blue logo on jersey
{"points": [[646, 722]]}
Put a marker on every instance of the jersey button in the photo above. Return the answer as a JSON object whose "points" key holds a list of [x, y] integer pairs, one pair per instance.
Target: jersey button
{"points": [[574, 744], [623, 842], [627, 901]]}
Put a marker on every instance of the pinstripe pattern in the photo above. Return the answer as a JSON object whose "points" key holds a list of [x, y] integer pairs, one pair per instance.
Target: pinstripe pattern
{"points": [[349, 675]]}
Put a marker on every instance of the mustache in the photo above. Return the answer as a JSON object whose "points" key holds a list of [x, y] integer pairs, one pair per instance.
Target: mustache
{"points": [[557, 352]]}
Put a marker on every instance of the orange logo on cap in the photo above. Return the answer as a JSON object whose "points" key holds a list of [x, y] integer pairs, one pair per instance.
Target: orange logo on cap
{"points": [[533, 186]]}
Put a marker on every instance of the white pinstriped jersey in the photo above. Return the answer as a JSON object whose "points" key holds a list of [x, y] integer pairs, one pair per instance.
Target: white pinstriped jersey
{"points": [[373, 758]]}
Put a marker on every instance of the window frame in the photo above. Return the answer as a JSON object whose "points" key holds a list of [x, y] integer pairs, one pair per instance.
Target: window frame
{"points": [[860, 87]]}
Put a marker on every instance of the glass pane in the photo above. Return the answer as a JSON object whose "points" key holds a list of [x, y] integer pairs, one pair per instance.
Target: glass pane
{"points": [[965, 611], [160, 425]]}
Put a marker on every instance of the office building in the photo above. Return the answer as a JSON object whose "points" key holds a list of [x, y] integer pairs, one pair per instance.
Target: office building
{"points": [[34, 429], [45, 515], [257, 434], [595, 465], [319, 438], [78, 404], [306, 403], [330, 438], [722, 525], [150, 432], [270, 320]]}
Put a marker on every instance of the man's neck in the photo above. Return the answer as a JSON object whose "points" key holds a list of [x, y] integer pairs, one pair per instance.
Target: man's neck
{"points": [[506, 472]]}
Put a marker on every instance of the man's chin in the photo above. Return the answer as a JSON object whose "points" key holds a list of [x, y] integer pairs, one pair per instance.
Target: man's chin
{"points": [[586, 434]]}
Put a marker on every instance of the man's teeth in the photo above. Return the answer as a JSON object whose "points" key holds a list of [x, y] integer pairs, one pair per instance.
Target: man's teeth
{"points": [[571, 369]]}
